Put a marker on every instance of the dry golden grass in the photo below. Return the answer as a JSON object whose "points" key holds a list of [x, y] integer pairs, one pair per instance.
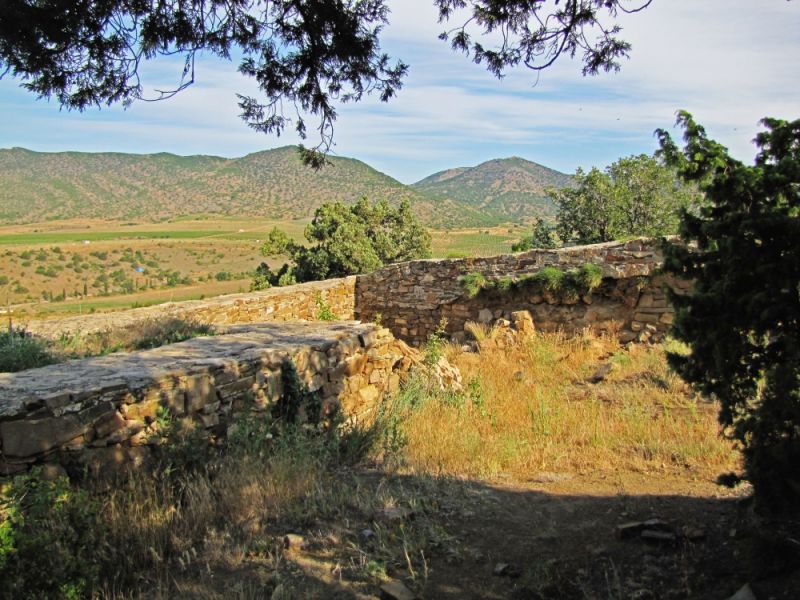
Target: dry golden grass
{"points": [[532, 408]]}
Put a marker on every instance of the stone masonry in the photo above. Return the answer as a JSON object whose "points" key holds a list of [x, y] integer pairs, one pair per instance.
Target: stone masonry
{"points": [[412, 298], [97, 412], [100, 411]]}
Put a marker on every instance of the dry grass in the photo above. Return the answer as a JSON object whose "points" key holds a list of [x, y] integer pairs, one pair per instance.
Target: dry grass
{"points": [[532, 408]]}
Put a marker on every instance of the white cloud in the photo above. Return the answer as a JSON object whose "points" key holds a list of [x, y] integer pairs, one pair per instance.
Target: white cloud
{"points": [[730, 62]]}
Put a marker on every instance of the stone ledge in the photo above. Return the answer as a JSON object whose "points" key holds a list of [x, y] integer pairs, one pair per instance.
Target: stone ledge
{"points": [[113, 401]]}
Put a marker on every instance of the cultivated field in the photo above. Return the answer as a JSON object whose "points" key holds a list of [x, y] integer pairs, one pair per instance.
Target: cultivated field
{"points": [[80, 266]]}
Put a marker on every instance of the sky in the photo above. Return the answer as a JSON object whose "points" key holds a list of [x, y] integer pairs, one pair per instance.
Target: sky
{"points": [[729, 62]]}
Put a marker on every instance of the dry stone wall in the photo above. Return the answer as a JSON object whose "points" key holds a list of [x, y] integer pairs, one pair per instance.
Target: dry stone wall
{"points": [[101, 412], [413, 298], [294, 303]]}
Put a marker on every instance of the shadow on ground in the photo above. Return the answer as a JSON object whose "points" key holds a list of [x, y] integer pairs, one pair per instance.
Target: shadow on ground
{"points": [[549, 539]]}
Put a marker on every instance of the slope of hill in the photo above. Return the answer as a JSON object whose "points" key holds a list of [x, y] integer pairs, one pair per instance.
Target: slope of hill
{"points": [[37, 186], [505, 189]]}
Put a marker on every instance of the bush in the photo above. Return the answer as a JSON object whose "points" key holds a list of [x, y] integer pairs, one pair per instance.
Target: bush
{"points": [[49, 540], [20, 350], [346, 241]]}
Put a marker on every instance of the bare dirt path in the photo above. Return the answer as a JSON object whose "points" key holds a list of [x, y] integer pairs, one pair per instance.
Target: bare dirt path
{"points": [[555, 537]]}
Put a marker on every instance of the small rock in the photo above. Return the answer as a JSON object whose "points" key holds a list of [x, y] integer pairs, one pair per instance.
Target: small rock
{"points": [[52, 472], [549, 477], [601, 373], [396, 590], [658, 537], [745, 593], [693, 534], [293, 541], [506, 570], [629, 530], [392, 514], [657, 525]]}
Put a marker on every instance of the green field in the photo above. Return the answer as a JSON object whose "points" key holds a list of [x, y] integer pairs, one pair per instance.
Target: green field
{"points": [[71, 267]]}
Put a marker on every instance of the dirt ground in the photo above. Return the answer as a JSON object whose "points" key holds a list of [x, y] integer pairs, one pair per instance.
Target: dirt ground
{"points": [[555, 536]]}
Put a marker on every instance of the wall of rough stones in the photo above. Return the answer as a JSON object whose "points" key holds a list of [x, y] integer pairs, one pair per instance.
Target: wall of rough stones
{"points": [[412, 298], [293, 303], [99, 413]]}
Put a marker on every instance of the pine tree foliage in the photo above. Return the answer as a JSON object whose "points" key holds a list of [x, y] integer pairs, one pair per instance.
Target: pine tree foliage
{"points": [[742, 320], [306, 56]]}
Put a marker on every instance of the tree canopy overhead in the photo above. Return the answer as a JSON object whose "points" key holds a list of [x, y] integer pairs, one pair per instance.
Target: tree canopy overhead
{"points": [[305, 55]]}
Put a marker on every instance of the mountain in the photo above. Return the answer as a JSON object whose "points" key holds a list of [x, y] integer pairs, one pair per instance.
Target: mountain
{"points": [[504, 189], [37, 186]]}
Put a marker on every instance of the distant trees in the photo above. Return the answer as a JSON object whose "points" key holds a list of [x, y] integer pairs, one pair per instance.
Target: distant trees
{"points": [[542, 236], [635, 196], [742, 319], [345, 240]]}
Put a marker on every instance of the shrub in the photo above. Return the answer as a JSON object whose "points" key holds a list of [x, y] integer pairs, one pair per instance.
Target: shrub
{"points": [[20, 350], [742, 320], [49, 540]]}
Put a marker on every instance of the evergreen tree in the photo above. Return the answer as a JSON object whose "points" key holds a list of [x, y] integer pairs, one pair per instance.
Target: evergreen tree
{"points": [[742, 320], [542, 236], [635, 196], [345, 240]]}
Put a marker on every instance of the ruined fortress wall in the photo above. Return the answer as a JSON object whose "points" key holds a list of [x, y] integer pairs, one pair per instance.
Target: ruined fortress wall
{"points": [[293, 303], [98, 414], [412, 298]]}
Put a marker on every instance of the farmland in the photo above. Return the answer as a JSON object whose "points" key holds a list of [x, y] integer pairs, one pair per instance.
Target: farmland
{"points": [[78, 266]]}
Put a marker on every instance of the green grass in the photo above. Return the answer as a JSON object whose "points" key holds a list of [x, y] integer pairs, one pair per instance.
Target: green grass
{"points": [[457, 244]]}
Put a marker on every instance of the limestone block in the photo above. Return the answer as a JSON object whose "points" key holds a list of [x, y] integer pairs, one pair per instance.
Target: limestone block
{"points": [[199, 392], [141, 411], [355, 364], [233, 388], [485, 316], [174, 399], [27, 438], [369, 395], [109, 423], [646, 317]]}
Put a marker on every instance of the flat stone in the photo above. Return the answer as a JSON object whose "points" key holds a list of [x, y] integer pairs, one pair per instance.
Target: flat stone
{"points": [[396, 590], [27, 438], [744, 593]]}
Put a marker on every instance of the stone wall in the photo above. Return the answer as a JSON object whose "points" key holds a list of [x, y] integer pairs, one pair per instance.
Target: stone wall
{"points": [[412, 298], [292, 303], [100, 412]]}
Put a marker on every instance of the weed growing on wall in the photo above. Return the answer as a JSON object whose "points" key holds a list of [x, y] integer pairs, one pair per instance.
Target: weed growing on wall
{"points": [[324, 310], [569, 284]]}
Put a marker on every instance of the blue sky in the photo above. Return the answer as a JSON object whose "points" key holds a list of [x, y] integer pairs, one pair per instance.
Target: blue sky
{"points": [[729, 62]]}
